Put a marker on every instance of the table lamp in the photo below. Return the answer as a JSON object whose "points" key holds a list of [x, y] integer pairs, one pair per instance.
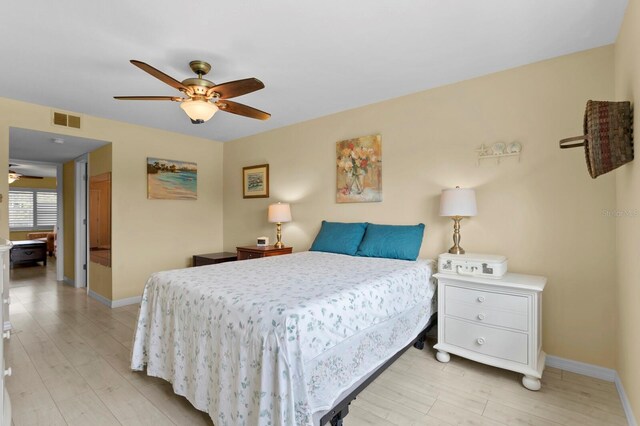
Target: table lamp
{"points": [[279, 213], [457, 203]]}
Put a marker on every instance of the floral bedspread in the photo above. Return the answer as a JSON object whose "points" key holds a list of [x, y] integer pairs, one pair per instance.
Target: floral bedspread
{"points": [[272, 341]]}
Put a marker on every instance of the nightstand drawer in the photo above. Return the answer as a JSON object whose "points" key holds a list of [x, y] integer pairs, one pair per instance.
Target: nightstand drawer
{"points": [[256, 252], [481, 314], [244, 255], [486, 299], [505, 344]]}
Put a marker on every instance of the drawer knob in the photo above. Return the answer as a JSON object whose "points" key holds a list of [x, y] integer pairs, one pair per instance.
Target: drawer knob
{"points": [[7, 372], [480, 299], [7, 334], [481, 316], [481, 341]]}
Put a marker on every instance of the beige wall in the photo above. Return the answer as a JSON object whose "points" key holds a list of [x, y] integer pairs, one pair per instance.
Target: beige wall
{"points": [[544, 212], [44, 183], [148, 235], [68, 222], [100, 160], [627, 87]]}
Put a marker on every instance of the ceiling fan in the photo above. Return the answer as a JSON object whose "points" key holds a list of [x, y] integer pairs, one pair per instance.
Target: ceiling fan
{"points": [[14, 176], [203, 97]]}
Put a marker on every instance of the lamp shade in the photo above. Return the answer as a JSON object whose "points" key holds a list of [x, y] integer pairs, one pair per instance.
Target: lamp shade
{"points": [[280, 212], [199, 109], [458, 202]]}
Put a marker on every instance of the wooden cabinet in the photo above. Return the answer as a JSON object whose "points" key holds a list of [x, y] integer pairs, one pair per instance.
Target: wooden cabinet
{"points": [[213, 258], [255, 252], [29, 251], [493, 321]]}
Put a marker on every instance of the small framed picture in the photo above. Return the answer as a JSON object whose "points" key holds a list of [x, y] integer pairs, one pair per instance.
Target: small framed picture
{"points": [[255, 181]]}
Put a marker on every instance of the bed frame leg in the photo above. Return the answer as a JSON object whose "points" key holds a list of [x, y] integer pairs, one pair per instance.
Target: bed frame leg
{"points": [[338, 419], [419, 343]]}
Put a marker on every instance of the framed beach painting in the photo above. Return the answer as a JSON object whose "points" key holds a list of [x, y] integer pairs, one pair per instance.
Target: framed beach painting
{"points": [[255, 181], [359, 170], [171, 180]]}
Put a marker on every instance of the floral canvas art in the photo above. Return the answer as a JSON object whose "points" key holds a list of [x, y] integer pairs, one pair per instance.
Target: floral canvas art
{"points": [[359, 170]]}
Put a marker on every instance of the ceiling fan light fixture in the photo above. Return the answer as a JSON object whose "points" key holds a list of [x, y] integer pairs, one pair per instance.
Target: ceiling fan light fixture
{"points": [[199, 110], [13, 177]]}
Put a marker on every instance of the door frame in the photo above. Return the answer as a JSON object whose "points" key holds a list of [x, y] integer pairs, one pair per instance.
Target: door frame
{"points": [[60, 225], [81, 264]]}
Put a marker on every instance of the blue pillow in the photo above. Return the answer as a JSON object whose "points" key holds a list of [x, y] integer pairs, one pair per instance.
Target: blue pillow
{"points": [[341, 238], [392, 241]]}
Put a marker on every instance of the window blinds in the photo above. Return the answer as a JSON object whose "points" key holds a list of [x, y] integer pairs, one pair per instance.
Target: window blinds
{"points": [[32, 209]]}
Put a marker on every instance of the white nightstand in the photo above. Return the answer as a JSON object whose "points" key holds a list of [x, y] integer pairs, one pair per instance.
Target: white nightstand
{"points": [[493, 321]]}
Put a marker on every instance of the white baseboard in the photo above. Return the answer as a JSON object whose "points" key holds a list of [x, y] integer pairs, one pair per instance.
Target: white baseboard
{"points": [[625, 402], [596, 372], [99, 298], [128, 301], [115, 303], [68, 281], [585, 369]]}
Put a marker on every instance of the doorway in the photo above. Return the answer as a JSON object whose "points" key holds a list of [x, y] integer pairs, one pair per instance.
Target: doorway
{"points": [[68, 157]]}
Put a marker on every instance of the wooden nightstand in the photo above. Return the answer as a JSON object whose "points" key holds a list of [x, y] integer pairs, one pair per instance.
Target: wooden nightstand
{"points": [[255, 252], [493, 321], [213, 258]]}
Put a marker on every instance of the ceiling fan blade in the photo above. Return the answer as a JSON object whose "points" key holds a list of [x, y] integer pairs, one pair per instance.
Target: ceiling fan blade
{"points": [[160, 75], [240, 109], [232, 89], [148, 98], [20, 175]]}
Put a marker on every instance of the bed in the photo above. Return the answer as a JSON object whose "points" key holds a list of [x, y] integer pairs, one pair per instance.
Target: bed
{"points": [[283, 340]]}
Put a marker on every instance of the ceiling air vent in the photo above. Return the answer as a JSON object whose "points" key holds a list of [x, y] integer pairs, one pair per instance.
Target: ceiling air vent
{"points": [[66, 120]]}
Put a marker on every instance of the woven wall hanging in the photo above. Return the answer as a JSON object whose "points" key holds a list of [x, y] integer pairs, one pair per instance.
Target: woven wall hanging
{"points": [[608, 136]]}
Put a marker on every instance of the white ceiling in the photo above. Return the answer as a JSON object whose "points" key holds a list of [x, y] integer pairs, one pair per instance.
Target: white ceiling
{"points": [[30, 148], [315, 58]]}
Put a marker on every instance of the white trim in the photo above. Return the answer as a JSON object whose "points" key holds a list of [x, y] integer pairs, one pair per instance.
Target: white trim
{"points": [[115, 303], [7, 326], [128, 301], [81, 182], [626, 405], [68, 281], [99, 298], [585, 369], [60, 225], [596, 372]]}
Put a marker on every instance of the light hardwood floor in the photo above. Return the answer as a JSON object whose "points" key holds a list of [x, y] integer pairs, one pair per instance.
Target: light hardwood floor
{"points": [[70, 361]]}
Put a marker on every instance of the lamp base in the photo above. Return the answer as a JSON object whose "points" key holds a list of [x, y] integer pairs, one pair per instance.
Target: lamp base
{"points": [[456, 250], [279, 244]]}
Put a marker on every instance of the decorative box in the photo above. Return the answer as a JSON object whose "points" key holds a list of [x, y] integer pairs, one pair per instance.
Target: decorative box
{"points": [[478, 265]]}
